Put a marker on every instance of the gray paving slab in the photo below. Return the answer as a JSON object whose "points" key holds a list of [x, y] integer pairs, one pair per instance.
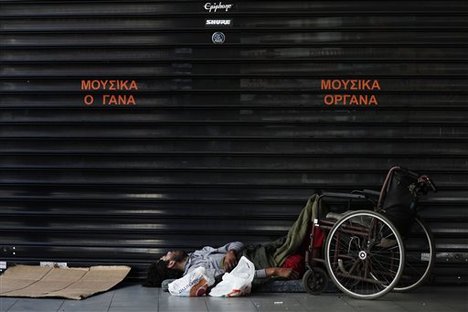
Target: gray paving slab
{"points": [[137, 298], [39, 305], [143, 305], [97, 303], [136, 308], [425, 301], [134, 305], [135, 294], [230, 304], [324, 302], [419, 306], [168, 303], [6, 303], [376, 306], [277, 302]]}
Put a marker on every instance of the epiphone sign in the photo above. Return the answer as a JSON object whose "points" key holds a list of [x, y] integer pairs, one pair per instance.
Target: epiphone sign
{"points": [[214, 7]]}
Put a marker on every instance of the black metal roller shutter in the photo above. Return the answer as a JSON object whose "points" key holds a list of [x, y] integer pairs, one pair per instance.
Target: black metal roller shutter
{"points": [[224, 141]]}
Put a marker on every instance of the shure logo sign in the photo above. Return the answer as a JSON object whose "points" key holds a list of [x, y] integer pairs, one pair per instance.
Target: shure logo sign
{"points": [[226, 22], [214, 7]]}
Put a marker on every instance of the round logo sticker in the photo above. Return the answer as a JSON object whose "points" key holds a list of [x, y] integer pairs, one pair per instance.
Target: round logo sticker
{"points": [[218, 38]]}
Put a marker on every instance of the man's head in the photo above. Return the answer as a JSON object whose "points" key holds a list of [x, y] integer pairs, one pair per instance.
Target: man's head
{"points": [[169, 266]]}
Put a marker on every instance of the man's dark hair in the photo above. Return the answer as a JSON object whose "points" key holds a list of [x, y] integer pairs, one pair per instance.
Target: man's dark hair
{"points": [[159, 272]]}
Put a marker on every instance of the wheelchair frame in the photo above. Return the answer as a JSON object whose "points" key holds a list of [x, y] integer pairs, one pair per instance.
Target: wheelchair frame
{"points": [[364, 254]]}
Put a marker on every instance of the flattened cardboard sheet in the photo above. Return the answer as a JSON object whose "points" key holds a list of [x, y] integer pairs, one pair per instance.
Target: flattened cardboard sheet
{"points": [[71, 283]]}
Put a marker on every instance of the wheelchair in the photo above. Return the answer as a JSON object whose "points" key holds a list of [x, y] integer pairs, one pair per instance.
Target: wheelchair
{"points": [[369, 252]]}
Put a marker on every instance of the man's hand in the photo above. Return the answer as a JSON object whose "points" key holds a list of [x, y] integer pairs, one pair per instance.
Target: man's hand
{"points": [[282, 272], [230, 260]]}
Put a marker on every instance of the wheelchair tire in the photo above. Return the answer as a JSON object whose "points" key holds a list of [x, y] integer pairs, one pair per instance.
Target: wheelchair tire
{"points": [[315, 281], [419, 257], [364, 254]]}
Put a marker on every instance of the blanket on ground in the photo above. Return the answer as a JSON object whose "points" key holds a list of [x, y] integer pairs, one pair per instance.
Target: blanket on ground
{"points": [[273, 254]]}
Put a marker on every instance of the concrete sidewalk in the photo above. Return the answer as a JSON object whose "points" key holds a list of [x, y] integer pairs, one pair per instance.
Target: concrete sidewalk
{"points": [[137, 298]]}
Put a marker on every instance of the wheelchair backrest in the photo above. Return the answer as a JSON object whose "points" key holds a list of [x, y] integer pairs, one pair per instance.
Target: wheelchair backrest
{"points": [[399, 191]]}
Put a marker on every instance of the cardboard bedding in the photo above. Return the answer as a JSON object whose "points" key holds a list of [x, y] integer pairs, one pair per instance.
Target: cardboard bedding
{"points": [[71, 283]]}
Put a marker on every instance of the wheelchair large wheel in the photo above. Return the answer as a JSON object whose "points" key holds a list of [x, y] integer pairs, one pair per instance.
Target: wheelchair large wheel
{"points": [[364, 254], [419, 257]]}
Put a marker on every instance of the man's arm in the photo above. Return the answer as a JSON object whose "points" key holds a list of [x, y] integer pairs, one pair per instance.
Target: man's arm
{"points": [[232, 251], [233, 246], [278, 272]]}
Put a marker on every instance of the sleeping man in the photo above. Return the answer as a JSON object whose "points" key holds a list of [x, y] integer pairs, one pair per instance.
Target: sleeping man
{"points": [[281, 258], [175, 264]]}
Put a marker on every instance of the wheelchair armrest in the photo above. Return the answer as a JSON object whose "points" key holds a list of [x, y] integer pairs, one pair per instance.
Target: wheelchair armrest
{"points": [[367, 193], [343, 195]]}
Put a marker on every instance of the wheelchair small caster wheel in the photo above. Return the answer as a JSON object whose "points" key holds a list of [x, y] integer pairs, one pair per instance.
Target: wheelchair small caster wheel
{"points": [[315, 281]]}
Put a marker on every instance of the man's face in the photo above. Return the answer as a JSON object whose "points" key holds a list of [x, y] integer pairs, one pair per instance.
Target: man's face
{"points": [[176, 255]]}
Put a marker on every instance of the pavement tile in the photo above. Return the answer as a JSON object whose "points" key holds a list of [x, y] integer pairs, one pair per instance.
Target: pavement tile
{"points": [[33, 304], [171, 303], [376, 305], [327, 302], [6, 303], [277, 302], [136, 308], [421, 306], [243, 304], [137, 298], [97, 303]]}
